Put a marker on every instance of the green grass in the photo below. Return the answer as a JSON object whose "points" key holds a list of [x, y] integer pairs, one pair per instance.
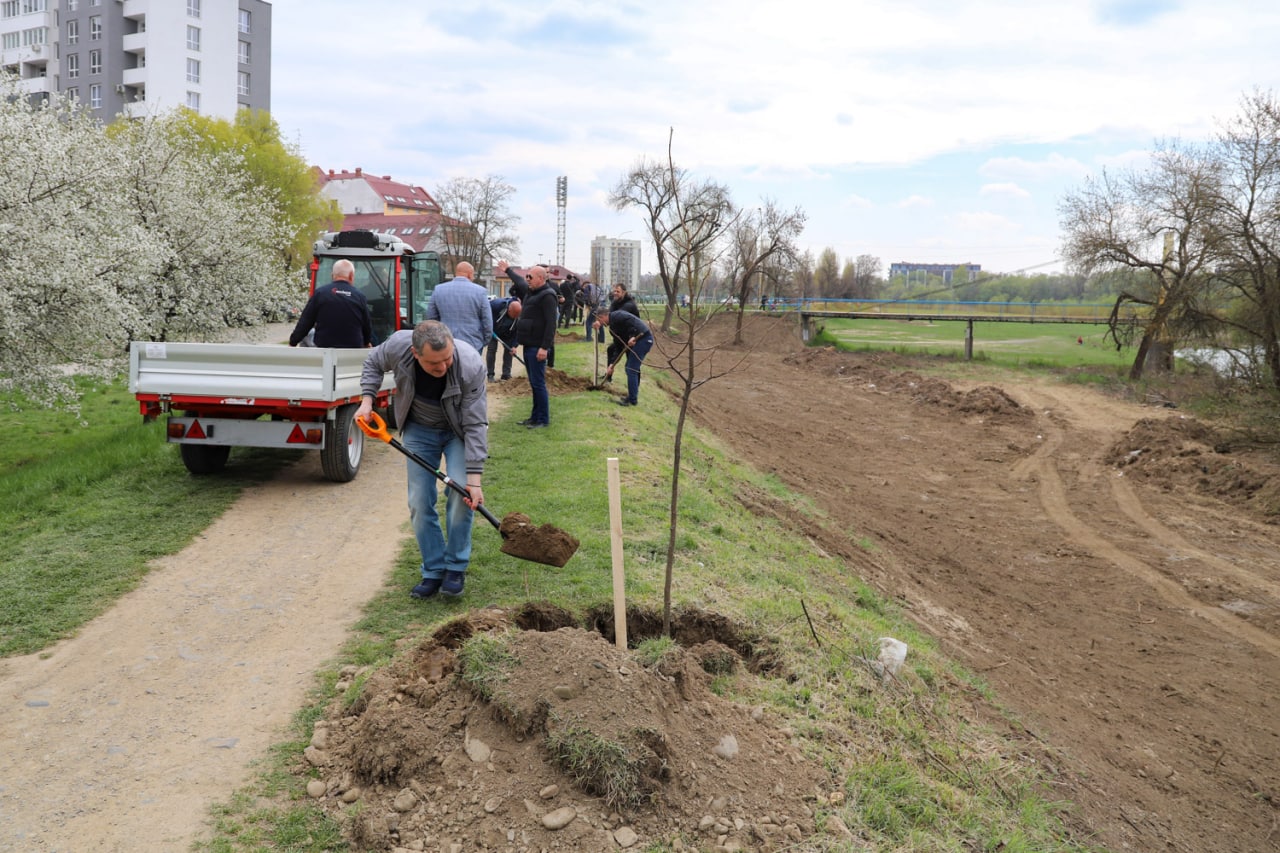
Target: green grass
{"points": [[89, 501], [915, 776], [1006, 344]]}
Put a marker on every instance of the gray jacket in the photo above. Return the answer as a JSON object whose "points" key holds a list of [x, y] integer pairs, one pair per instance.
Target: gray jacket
{"points": [[464, 401]]}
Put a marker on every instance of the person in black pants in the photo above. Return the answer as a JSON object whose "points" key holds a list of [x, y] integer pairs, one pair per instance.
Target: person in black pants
{"points": [[634, 336], [619, 300], [535, 332], [505, 314]]}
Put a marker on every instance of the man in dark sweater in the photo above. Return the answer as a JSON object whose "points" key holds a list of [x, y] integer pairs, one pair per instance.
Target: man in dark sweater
{"points": [[536, 333], [634, 336], [338, 312]]}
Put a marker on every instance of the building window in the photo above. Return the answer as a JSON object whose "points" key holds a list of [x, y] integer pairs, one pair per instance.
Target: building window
{"points": [[193, 8], [193, 71], [246, 21], [73, 93], [242, 83], [72, 5], [95, 27], [244, 53], [95, 2], [73, 66], [193, 101], [95, 62], [35, 35], [29, 6], [193, 38], [12, 40], [9, 9], [95, 96], [73, 32]]}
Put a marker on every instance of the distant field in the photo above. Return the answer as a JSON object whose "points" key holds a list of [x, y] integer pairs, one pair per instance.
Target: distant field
{"points": [[999, 343]]}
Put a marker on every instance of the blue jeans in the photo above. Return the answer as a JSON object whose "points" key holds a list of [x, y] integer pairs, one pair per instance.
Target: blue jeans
{"points": [[635, 355], [591, 321], [537, 371], [440, 553]]}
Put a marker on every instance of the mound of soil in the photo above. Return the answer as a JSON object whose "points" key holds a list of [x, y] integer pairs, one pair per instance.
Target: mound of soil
{"points": [[432, 761], [1180, 453]]}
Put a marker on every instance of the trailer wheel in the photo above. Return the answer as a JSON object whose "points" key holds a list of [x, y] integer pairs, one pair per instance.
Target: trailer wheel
{"points": [[343, 446], [204, 458]]}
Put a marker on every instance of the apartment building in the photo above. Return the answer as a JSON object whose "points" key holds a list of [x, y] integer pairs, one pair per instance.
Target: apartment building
{"points": [[136, 57], [614, 260]]}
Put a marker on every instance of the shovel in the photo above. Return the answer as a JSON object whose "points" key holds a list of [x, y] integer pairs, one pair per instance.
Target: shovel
{"points": [[509, 349], [548, 545]]}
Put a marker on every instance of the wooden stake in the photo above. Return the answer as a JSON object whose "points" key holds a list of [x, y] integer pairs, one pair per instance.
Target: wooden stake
{"points": [[615, 538]]}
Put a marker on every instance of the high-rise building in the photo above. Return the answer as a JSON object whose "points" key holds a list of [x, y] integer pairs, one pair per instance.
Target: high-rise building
{"points": [[135, 57], [614, 260]]}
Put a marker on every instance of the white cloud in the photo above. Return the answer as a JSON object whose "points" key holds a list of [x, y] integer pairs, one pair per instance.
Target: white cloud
{"points": [[1010, 190]]}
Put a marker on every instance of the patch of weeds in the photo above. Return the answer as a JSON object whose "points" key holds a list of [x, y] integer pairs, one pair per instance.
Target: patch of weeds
{"points": [[483, 663], [597, 766], [652, 652]]}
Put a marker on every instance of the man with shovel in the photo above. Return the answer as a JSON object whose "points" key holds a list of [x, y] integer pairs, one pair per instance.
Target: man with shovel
{"points": [[633, 335], [442, 409], [506, 311]]}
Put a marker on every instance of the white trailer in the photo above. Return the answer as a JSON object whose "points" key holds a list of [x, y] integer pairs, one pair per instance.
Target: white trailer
{"points": [[219, 396]]}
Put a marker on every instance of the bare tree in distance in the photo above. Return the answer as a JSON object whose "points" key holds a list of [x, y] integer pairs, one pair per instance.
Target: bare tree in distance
{"points": [[476, 223], [767, 235]]}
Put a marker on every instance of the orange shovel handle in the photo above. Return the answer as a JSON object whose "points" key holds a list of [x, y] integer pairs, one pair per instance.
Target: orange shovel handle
{"points": [[374, 427]]}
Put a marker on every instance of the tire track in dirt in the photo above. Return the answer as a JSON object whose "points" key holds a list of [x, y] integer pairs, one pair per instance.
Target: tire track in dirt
{"points": [[1041, 467]]}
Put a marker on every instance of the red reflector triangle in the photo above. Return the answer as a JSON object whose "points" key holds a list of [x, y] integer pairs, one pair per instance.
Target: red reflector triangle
{"points": [[297, 436], [195, 430]]}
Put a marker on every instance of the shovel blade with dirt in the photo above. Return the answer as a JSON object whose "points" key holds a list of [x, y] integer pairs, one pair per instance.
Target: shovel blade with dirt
{"points": [[544, 544]]}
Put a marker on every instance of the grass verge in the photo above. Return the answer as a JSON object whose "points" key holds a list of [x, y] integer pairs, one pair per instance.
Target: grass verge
{"points": [[89, 501]]}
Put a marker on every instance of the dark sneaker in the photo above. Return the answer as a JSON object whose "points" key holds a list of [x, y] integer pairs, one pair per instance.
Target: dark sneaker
{"points": [[524, 422], [536, 426], [453, 583], [427, 588], [625, 402]]}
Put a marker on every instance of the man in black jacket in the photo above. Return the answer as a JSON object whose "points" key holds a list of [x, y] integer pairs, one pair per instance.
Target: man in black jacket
{"points": [[633, 335], [339, 313], [536, 333]]}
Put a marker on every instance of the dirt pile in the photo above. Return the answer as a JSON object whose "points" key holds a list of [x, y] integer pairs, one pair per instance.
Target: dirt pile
{"points": [[1180, 453], [571, 745]]}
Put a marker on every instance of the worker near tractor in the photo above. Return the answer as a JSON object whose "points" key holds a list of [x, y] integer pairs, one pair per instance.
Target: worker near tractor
{"points": [[463, 306], [339, 313], [506, 312], [634, 336], [441, 407], [536, 333]]}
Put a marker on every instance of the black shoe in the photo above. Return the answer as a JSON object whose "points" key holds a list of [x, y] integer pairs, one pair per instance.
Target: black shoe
{"points": [[453, 583], [504, 379], [427, 588], [536, 426], [625, 402], [524, 422]]}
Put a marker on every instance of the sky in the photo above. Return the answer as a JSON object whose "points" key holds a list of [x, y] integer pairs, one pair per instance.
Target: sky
{"points": [[930, 131]]}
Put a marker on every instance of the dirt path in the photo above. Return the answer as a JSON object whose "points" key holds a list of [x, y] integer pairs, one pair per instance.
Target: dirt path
{"points": [[1105, 576]]}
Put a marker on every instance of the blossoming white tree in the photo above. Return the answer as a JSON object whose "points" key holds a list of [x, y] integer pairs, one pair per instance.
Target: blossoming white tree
{"points": [[114, 234]]}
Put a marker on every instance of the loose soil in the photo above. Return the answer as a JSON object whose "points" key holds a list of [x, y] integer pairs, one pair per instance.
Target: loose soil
{"points": [[1108, 568]]}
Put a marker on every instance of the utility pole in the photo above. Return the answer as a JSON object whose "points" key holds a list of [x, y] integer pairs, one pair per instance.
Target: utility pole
{"points": [[562, 201]]}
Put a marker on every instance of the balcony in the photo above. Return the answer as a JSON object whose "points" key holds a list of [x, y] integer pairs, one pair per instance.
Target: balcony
{"points": [[133, 76], [135, 43]]}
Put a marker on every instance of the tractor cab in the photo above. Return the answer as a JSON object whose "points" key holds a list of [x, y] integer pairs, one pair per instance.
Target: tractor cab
{"points": [[396, 280]]}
